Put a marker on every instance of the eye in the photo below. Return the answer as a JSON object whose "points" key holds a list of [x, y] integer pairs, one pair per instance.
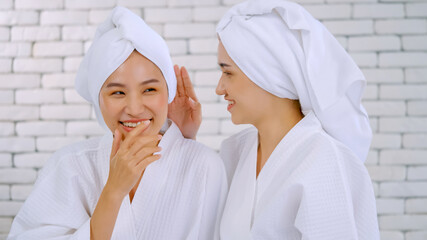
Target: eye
{"points": [[226, 73], [149, 90], [117, 93]]}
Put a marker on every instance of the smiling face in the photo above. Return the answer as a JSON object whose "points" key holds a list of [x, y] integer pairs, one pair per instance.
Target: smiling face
{"points": [[247, 102], [134, 92]]}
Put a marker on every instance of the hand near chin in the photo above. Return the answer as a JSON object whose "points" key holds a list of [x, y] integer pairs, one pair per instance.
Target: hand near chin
{"points": [[129, 158], [185, 110]]}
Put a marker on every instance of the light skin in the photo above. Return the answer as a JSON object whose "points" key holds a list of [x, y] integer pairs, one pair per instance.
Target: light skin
{"points": [[185, 110], [134, 105], [274, 117]]}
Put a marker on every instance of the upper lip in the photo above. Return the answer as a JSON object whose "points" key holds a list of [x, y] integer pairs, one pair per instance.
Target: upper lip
{"points": [[135, 120]]}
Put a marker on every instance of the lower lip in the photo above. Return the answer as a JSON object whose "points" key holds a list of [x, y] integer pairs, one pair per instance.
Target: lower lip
{"points": [[230, 106], [128, 129]]}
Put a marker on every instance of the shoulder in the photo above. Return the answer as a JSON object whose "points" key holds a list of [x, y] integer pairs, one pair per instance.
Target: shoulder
{"points": [[80, 148], [188, 150], [326, 147], [323, 156], [68, 157], [238, 137], [202, 154], [194, 160], [232, 146]]}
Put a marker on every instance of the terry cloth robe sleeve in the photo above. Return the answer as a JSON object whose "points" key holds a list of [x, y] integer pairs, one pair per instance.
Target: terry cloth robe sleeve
{"points": [[312, 187], [216, 193], [58, 207], [180, 196], [336, 199]]}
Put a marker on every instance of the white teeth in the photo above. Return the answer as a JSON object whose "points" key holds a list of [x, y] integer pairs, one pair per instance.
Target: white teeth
{"points": [[230, 102], [129, 124]]}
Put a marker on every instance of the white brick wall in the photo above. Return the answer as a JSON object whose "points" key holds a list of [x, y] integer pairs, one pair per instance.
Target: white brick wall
{"points": [[42, 43], [34, 33], [38, 4], [37, 65]]}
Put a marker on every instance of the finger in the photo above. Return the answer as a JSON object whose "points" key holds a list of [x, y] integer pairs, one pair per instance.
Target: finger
{"points": [[116, 142], [147, 161], [144, 152], [143, 141], [191, 103], [196, 109], [130, 138], [188, 86], [180, 91]]}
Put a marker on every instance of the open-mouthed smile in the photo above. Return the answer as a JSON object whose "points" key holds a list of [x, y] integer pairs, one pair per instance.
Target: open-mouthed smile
{"points": [[131, 124], [230, 104]]}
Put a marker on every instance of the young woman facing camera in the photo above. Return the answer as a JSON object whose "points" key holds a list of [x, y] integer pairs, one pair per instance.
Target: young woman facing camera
{"points": [[142, 180]]}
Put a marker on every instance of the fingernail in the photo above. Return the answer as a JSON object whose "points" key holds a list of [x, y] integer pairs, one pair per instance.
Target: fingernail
{"points": [[159, 137]]}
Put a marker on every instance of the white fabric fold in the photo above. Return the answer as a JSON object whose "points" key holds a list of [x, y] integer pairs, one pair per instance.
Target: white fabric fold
{"points": [[288, 53], [311, 187], [180, 196], [115, 39]]}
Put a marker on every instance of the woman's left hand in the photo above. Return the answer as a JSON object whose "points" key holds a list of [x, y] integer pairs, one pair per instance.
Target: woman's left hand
{"points": [[185, 110]]}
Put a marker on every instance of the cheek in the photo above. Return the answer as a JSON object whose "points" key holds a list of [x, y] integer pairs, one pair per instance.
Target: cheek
{"points": [[159, 107], [162, 105], [250, 103], [110, 111]]}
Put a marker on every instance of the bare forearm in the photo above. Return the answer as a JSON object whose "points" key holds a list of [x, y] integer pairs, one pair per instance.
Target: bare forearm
{"points": [[105, 215]]}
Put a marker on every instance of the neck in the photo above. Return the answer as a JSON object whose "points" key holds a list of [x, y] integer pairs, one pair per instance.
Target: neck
{"points": [[273, 128]]}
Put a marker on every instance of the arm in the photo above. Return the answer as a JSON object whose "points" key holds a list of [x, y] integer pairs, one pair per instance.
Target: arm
{"points": [[337, 193], [216, 193], [58, 207], [105, 215], [185, 110], [128, 161]]}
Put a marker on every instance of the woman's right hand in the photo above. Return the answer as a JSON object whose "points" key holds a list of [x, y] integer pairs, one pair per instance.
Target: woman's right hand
{"points": [[129, 158], [185, 110]]}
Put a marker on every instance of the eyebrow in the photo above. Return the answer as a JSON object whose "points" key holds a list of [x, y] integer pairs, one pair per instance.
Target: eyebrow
{"points": [[223, 65], [113, 84]]}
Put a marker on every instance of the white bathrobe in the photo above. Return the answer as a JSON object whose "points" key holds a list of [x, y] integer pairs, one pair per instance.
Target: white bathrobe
{"points": [[180, 196], [312, 187]]}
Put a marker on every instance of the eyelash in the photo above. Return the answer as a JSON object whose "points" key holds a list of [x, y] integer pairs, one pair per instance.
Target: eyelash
{"points": [[146, 90], [149, 90], [226, 73]]}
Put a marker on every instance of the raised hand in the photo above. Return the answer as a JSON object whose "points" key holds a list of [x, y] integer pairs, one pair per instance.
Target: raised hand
{"points": [[129, 158], [185, 110]]}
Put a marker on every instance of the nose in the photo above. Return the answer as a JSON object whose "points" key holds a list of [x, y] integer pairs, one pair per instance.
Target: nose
{"points": [[220, 90], [134, 106]]}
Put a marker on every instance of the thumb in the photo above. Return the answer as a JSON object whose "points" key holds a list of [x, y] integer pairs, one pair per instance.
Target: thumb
{"points": [[116, 142]]}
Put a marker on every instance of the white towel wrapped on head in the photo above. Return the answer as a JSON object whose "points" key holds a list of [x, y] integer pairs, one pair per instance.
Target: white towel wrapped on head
{"points": [[285, 51], [115, 39]]}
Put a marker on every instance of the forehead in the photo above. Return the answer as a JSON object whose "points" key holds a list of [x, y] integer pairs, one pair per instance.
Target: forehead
{"points": [[222, 53]]}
